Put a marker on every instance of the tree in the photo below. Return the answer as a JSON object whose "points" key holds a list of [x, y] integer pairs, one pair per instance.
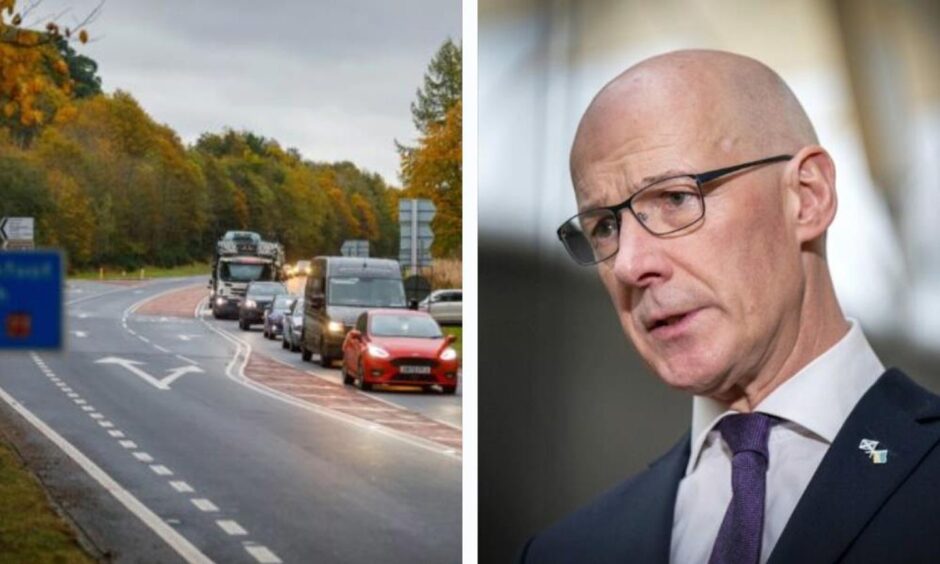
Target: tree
{"points": [[442, 88], [433, 169]]}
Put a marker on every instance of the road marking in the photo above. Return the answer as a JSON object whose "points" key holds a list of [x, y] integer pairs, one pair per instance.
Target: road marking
{"points": [[161, 470], [82, 315], [144, 339], [73, 395], [182, 487], [88, 407], [96, 416], [204, 505], [106, 424], [176, 541], [132, 332], [116, 434], [161, 349], [159, 383], [235, 371], [79, 334], [143, 457], [263, 555], [78, 400], [232, 528], [184, 359], [128, 444]]}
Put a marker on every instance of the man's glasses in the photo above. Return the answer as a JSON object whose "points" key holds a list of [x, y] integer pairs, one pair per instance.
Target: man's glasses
{"points": [[663, 207]]}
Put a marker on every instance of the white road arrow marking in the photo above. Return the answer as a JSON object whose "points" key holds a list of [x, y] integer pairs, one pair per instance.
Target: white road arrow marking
{"points": [[159, 383], [80, 334]]}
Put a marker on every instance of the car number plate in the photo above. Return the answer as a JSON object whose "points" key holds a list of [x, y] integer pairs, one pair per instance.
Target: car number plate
{"points": [[415, 369]]}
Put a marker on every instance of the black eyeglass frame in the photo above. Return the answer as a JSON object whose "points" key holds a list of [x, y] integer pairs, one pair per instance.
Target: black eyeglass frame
{"points": [[700, 179]]}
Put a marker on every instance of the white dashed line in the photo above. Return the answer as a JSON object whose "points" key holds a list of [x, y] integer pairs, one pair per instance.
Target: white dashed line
{"points": [[128, 444], [161, 349], [79, 401], [116, 434], [263, 555], [73, 395], [204, 505], [132, 332], [96, 415], [232, 528], [144, 339], [143, 457], [106, 424], [182, 487], [184, 359], [88, 408], [161, 470]]}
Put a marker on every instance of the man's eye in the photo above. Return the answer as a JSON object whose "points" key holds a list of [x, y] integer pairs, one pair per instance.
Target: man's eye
{"points": [[604, 228], [678, 199]]}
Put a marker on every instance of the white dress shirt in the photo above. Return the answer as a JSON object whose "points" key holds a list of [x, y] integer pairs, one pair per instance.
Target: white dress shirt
{"points": [[814, 404]]}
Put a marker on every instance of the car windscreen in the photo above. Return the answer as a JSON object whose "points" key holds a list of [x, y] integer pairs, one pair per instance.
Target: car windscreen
{"points": [[266, 290], [366, 292], [238, 272], [391, 325]]}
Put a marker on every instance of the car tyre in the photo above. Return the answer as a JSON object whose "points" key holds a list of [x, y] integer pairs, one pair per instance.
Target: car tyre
{"points": [[361, 382], [325, 360], [347, 377], [449, 390], [284, 344], [304, 353], [242, 325]]}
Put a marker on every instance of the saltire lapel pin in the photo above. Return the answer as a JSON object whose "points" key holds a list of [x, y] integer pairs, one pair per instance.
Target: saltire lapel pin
{"points": [[871, 448]]}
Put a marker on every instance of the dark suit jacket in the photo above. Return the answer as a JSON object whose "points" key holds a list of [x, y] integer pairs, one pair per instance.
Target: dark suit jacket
{"points": [[852, 510]]}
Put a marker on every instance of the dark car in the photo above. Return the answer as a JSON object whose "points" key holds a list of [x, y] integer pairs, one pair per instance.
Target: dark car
{"points": [[258, 296], [293, 324], [275, 314]]}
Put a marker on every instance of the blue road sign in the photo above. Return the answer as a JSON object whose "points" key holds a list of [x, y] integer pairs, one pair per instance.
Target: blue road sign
{"points": [[30, 299]]}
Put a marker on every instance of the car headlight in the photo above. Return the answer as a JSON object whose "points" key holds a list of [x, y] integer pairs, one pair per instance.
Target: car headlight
{"points": [[334, 327], [378, 352], [448, 354], [220, 301], [250, 304]]}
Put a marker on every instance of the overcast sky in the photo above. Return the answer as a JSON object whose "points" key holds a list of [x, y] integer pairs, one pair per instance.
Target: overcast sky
{"points": [[334, 79]]}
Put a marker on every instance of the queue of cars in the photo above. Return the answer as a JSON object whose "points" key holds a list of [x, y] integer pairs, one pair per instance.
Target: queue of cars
{"points": [[354, 310]]}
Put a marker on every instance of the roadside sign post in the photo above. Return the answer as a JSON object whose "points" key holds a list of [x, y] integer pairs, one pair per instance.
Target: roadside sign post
{"points": [[414, 219], [31, 299], [355, 248], [16, 233]]}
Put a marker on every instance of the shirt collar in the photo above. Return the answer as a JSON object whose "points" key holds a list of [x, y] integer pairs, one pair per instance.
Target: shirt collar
{"points": [[818, 398]]}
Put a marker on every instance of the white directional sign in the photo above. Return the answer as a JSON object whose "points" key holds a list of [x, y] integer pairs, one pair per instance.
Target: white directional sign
{"points": [[16, 232], [159, 383], [414, 219]]}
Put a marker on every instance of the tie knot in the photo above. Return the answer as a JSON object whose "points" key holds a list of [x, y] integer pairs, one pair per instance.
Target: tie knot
{"points": [[746, 432]]}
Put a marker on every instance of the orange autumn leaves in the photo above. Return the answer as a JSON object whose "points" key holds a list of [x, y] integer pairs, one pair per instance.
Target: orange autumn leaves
{"points": [[35, 86]]}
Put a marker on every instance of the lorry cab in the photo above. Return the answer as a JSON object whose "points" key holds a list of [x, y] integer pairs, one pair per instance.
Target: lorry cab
{"points": [[338, 290], [241, 257]]}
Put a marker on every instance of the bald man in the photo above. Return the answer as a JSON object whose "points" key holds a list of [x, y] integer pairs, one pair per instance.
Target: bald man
{"points": [[703, 202]]}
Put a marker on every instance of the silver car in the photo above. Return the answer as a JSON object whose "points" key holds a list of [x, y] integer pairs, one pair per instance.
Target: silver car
{"points": [[292, 324], [445, 306]]}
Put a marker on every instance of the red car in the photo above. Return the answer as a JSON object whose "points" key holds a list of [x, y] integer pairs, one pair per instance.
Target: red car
{"points": [[399, 347]]}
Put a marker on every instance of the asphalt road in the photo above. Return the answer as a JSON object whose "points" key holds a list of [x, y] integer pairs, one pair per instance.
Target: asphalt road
{"points": [[186, 460]]}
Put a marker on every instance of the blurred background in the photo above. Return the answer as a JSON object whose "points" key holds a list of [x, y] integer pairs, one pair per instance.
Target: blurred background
{"points": [[566, 408]]}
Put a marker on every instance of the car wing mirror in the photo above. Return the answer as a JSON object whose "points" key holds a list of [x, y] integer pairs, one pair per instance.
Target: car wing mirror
{"points": [[450, 340], [355, 335]]}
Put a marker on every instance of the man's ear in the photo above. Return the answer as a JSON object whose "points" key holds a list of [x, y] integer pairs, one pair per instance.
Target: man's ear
{"points": [[813, 181]]}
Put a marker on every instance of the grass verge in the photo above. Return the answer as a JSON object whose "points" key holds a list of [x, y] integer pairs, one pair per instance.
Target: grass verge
{"points": [[30, 530], [195, 269]]}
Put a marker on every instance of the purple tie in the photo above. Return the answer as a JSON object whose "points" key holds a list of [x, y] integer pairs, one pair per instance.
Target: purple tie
{"points": [[739, 538]]}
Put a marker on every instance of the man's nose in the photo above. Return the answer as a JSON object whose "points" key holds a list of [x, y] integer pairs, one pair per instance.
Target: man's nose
{"points": [[640, 261]]}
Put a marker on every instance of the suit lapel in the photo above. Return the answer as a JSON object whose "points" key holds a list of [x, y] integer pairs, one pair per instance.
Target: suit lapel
{"points": [[654, 506], [848, 488]]}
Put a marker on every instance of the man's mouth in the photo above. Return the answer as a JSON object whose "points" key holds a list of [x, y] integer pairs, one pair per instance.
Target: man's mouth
{"points": [[670, 324]]}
